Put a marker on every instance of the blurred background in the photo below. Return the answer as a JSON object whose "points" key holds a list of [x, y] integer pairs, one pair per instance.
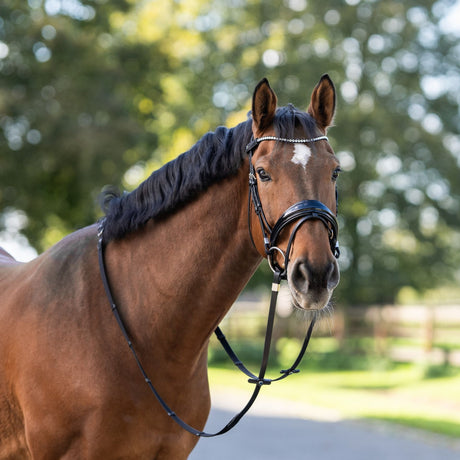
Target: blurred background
{"points": [[98, 92]]}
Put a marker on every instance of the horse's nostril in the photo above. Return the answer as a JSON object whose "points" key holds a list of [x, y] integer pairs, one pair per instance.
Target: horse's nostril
{"points": [[300, 275], [334, 275], [305, 277]]}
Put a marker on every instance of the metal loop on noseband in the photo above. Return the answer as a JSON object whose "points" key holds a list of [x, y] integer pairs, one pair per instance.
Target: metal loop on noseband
{"points": [[275, 268]]}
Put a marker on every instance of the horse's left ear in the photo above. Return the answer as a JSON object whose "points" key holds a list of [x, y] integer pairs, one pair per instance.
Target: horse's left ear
{"points": [[322, 104], [263, 107]]}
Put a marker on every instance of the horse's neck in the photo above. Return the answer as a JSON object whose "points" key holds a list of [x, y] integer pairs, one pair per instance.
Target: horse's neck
{"points": [[177, 278]]}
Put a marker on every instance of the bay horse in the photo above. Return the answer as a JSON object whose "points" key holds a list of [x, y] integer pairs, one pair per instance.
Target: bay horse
{"points": [[178, 251]]}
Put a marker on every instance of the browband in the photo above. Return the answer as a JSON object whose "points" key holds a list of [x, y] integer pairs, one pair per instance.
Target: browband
{"points": [[255, 142]]}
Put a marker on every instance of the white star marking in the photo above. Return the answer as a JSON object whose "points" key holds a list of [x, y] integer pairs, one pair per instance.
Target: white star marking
{"points": [[301, 155]]}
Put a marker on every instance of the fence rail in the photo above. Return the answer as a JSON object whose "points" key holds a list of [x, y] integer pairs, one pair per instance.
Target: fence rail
{"points": [[415, 333]]}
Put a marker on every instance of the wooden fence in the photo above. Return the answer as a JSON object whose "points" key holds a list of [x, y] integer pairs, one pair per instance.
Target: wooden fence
{"points": [[415, 333]]}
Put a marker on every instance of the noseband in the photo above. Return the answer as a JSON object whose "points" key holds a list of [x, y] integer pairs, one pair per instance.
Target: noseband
{"points": [[299, 212]]}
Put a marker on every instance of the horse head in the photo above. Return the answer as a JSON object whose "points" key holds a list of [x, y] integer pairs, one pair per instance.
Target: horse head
{"points": [[293, 173]]}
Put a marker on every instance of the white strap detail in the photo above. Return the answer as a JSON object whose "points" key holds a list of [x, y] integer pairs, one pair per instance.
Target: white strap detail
{"points": [[291, 141]]}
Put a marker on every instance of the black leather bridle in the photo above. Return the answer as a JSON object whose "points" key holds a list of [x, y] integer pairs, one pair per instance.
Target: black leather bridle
{"points": [[300, 212]]}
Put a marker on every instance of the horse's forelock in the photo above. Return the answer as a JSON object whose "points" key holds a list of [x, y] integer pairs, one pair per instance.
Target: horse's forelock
{"points": [[291, 122]]}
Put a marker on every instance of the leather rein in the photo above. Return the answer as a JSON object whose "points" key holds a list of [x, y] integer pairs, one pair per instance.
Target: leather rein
{"points": [[300, 212]]}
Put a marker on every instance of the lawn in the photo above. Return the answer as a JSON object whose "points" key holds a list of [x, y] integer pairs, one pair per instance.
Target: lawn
{"points": [[410, 395]]}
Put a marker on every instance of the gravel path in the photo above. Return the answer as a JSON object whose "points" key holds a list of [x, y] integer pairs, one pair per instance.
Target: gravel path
{"points": [[276, 429]]}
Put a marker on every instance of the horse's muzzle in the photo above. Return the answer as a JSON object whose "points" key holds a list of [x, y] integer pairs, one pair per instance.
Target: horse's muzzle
{"points": [[312, 285]]}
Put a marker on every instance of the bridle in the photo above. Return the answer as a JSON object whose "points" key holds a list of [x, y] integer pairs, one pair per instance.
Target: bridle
{"points": [[300, 212]]}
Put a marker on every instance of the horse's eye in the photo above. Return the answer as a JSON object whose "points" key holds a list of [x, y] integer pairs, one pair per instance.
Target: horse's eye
{"points": [[335, 174], [263, 175]]}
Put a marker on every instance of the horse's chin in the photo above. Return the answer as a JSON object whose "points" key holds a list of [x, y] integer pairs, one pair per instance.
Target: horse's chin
{"points": [[310, 301]]}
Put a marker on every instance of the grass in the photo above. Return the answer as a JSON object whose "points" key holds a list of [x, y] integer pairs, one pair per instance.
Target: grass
{"points": [[443, 427], [412, 395]]}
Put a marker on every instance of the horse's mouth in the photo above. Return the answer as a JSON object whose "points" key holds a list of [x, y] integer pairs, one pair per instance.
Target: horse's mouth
{"points": [[311, 300], [312, 285]]}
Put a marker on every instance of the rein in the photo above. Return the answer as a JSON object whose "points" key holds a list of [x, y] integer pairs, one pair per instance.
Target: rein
{"points": [[301, 212]]}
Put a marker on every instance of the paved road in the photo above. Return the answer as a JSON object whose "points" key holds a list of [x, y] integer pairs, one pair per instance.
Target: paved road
{"points": [[265, 434]]}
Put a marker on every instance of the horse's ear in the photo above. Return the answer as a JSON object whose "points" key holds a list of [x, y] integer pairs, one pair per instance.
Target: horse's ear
{"points": [[322, 104], [263, 106]]}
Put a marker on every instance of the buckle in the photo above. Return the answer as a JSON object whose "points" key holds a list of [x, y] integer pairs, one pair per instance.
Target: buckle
{"points": [[260, 382], [290, 371], [252, 145]]}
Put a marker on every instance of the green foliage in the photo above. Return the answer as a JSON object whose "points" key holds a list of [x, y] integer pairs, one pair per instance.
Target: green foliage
{"points": [[324, 360], [248, 351], [323, 355], [438, 371], [62, 97], [99, 92]]}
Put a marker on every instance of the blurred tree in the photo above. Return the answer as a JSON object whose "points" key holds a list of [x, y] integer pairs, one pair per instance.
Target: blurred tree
{"points": [[89, 89], [65, 112]]}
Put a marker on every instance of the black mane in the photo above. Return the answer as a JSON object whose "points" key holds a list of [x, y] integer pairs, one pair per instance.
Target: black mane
{"points": [[214, 157]]}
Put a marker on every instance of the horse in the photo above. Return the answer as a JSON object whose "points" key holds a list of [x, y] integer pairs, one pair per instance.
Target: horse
{"points": [[178, 250]]}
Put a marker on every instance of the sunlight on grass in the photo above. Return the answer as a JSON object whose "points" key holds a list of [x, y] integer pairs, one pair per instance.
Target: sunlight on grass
{"points": [[400, 395], [444, 427]]}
